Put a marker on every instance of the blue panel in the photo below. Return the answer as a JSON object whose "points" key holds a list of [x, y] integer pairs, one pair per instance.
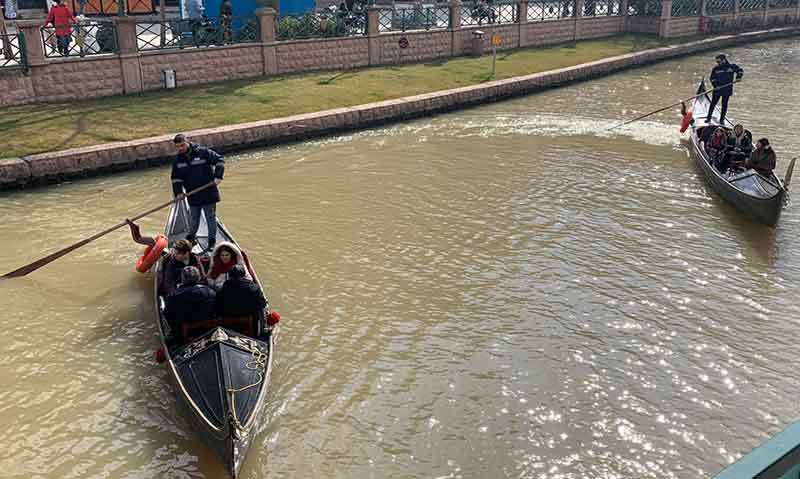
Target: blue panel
{"points": [[241, 8], [759, 460], [295, 7]]}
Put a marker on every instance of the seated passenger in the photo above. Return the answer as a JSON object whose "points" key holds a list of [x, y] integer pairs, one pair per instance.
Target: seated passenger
{"points": [[226, 256], [241, 296], [716, 145], [172, 265], [763, 158], [738, 148], [191, 302]]}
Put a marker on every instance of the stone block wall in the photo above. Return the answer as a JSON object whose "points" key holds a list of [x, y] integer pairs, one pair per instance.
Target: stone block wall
{"points": [[547, 33], [782, 16], [329, 54], [509, 34], [194, 66], [597, 27], [684, 26], [15, 88], [422, 46], [637, 24]]}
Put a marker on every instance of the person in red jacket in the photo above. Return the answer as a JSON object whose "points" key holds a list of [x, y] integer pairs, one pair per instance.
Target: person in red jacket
{"points": [[61, 18]]}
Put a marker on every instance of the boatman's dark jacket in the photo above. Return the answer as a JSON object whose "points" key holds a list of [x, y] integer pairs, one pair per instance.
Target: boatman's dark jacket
{"points": [[724, 75], [195, 168]]}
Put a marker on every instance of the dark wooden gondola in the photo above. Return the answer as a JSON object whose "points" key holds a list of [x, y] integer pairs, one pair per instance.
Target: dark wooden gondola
{"points": [[221, 373], [757, 196]]}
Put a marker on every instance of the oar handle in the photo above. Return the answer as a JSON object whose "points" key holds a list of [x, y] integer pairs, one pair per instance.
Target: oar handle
{"points": [[673, 105], [54, 256]]}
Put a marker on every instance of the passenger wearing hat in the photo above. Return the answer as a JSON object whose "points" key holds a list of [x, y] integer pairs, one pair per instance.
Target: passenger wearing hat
{"points": [[191, 302], [195, 166], [722, 77]]}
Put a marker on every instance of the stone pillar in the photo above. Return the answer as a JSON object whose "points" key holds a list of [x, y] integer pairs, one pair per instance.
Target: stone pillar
{"points": [[765, 18], [266, 23], [373, 34], [522, 20], [128, 50], [579, 6], [266, 26], [34, 48], [623, 11], [736, 9], [666, 16], [456, 40]]}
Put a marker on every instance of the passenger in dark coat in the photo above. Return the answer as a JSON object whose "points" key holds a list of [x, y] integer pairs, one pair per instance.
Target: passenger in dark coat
{"points": [[192, 302], [763, 158], [241, 296], [172, 266], [723, 75], [193, 167]]}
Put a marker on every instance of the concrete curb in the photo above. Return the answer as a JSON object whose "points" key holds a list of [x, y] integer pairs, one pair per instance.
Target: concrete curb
{"points": [[77, 162]]}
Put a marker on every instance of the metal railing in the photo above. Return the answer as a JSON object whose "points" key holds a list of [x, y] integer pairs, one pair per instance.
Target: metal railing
{"points": [[719, 7], [322, 24], [196, 33], [776, 4], [543, 10], [85, 39], [750, 5], [417, 18], [644, 8], [487, 12], [685, 8], [12, 51], [601, 8]]}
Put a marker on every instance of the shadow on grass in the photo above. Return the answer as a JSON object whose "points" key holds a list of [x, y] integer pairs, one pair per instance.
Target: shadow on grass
{"points": [[338, 76]]}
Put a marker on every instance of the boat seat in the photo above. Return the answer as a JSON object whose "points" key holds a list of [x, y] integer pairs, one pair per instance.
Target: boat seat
{"points": [[196, 329], [240, 324]]}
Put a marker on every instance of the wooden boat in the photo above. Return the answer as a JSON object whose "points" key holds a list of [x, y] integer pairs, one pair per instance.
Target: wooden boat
{"points": [[778, 458], [755, 195], [221, 372]]}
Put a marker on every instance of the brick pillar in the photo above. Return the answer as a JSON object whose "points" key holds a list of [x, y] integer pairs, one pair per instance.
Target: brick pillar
{"points": [[623, 11], [373, 33], [128, 55], [266, 26], [34, 48], [579, 6], [522, 20], [666, 15], [456, 40]]}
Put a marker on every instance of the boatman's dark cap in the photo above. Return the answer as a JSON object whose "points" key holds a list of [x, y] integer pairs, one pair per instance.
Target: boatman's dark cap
{"points": [[721, 56], [237, 271], [179, 138]]}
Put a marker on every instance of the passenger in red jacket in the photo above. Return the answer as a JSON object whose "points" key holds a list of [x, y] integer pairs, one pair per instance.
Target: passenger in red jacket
{"points": [[61, 18]]}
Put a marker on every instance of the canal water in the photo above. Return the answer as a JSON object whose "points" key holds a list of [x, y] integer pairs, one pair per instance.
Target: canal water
{"points": [[508, 291]]}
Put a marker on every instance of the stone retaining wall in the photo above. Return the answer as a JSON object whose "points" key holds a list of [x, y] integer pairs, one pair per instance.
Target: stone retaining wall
{"points": [[48, 167]]}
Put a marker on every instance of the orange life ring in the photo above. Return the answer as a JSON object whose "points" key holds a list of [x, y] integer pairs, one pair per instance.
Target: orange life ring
{"points": [[151, 254], [687, 120]]}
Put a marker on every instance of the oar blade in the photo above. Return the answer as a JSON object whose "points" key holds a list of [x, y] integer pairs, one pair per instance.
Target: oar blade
{"points": [[788, 178]]}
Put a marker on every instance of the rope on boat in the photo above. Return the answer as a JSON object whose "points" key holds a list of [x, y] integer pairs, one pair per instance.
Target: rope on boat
{"points": [[258, 363]]}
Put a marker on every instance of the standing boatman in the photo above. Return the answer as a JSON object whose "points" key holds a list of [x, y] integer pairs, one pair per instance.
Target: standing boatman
{"points": [[723, 75], [193, 167]]}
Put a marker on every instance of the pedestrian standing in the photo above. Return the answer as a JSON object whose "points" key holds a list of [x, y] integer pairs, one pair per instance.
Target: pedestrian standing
{"points": [[225, 19], [195, 166], [722, 77], [61, 18]]}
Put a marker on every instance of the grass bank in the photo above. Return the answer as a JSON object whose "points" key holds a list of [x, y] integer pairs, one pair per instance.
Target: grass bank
{"points": [[31, 129]]}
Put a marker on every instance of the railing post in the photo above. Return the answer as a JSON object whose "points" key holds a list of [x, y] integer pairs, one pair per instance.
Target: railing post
{"points": [[623, 12], [456, 40], [736, 9], [765, 19], [579, 6], [266, 28], [34, 48], [373, 32], [128, 51], [522, 20], [666, 15]]}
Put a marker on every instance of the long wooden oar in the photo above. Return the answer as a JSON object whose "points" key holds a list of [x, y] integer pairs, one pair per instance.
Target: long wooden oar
{"points": [[671, 106], [49, 259]]}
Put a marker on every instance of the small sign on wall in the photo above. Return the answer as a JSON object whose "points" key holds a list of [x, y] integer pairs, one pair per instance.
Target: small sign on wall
{"points": [[403, 42], [497, 40]]}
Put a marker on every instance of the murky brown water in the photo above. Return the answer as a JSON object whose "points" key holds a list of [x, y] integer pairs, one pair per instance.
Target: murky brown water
{"points": [[502, 292]]}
